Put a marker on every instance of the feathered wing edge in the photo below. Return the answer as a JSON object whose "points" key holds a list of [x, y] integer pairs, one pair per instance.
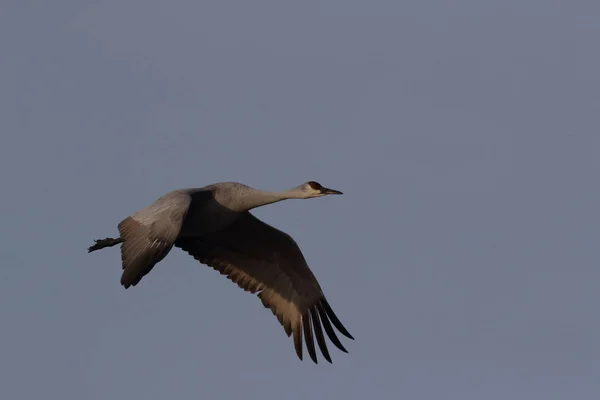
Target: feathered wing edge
{"points": [[318, 315], [311, 320]]}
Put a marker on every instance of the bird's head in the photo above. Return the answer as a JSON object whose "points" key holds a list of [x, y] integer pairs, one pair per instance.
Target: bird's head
{"points": [[314, 189]]}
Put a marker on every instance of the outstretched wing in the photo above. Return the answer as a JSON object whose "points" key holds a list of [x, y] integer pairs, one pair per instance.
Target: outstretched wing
{"points": [[149, 234], [260, 258]]}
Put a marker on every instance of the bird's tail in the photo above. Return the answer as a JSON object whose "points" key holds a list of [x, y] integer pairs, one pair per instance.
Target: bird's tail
{"points": [[102, 243]]}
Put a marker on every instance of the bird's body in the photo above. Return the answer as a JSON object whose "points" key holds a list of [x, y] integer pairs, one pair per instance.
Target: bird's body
{"points": [[213, 224]]}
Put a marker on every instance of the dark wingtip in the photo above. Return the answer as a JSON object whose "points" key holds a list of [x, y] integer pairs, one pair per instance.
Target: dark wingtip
{"points": [[319, 334], [297, 333], [125, 283], [308, 336], [335, 320], [329, 329]]}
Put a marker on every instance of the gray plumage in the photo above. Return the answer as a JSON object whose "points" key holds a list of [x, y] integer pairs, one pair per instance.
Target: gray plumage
{"points": [[213, 224]]}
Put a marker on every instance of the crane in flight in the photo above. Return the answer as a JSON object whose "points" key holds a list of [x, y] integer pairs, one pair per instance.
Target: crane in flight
{"points": [[213, 224]]}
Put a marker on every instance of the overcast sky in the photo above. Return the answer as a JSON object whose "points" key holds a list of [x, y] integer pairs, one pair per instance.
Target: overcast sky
{"points": [[463, 256]]}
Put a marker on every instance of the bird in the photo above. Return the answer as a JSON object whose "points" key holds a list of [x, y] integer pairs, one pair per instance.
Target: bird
{"points": [[213, 224]]}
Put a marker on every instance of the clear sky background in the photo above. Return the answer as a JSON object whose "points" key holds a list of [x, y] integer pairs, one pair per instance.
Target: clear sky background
{"points": [[463, 255]]}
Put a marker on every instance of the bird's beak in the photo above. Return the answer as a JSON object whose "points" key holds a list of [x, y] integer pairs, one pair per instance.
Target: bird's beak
{"points": [[325, 191]]}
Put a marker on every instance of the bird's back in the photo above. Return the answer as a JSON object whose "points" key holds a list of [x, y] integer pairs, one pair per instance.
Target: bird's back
{"points": [[172, 205]]}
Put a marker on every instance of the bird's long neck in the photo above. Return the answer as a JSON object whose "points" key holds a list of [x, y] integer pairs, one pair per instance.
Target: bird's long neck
{"points": [[257, 198]]}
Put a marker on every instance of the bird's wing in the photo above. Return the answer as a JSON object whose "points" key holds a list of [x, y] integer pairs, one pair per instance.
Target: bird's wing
{"points": [[261, 258], [149, 234]]}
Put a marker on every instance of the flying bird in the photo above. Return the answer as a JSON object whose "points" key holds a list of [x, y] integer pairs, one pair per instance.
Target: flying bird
{"points": [[214, 225]]}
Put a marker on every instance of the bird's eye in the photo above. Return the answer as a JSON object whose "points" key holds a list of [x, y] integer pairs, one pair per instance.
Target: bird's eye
{"points": [[314, 185]]}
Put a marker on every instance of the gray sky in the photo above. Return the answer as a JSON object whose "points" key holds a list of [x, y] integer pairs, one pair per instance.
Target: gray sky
{"points": [[463, 256]]}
